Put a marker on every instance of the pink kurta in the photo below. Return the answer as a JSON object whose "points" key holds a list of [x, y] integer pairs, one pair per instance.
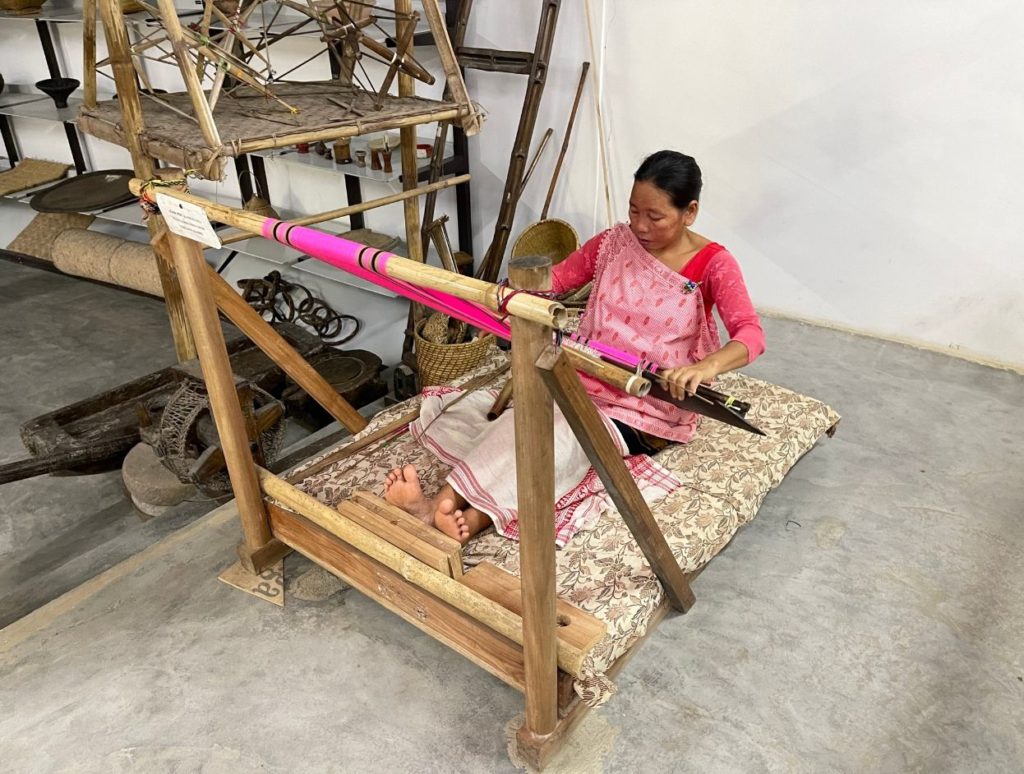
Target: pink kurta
{"points": [[641, 306]]}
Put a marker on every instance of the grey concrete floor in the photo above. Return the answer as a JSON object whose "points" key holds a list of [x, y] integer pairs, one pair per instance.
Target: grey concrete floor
{"points": [[870, 619]]}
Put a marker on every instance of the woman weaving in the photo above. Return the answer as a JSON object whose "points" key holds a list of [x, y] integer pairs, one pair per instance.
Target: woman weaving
{"points": [[655, 283]]}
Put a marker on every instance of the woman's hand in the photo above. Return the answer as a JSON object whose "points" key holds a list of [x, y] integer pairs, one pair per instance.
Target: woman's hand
{"points": [[683, 380]]}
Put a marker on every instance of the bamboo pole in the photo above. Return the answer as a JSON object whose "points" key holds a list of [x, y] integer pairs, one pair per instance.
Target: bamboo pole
{"points": [[119, 50], [627, 381], [539, 310], [352, 209], [89, 52], [220, 383], [410, 178], [280, 351], [456, 85], [445, 588], [535, 481]]}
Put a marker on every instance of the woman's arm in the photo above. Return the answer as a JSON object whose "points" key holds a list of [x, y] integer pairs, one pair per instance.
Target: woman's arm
{"points": [[723, 283], [578, 267]]}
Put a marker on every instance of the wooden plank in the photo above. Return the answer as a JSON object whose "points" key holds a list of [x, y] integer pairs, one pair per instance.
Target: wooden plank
{"points": [[564, 385], [535, 486], [392, 428], [446, 624], [445, 588], [393, 530], [580, 629], [281, 352], [220, 384], [449, 547]]}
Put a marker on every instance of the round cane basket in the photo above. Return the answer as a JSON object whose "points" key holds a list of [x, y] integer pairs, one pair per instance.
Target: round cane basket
{"points": [[552, 237], [440, 363]]}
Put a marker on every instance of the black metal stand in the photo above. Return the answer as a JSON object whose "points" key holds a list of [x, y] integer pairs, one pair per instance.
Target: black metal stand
{"points": [[53, 66]]}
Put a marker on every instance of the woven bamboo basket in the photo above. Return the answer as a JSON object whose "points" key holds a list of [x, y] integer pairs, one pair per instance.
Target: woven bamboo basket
{"points": [[440, 363], [552, 237]]}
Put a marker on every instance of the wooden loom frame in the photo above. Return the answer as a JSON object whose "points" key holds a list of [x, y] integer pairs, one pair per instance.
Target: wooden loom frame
{"points": [[130, 130], [524, 639]]}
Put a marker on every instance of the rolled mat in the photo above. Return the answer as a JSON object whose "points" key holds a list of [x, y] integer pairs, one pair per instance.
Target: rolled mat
{"points": [[108, 259], [37, 238], [133, 265]]}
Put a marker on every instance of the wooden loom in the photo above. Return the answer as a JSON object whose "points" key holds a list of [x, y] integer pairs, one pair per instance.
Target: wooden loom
{"points": [[519, 632]]}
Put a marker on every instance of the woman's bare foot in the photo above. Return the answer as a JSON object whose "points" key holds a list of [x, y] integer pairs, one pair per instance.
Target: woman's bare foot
{"points": [[402, 488], [450, 520]]}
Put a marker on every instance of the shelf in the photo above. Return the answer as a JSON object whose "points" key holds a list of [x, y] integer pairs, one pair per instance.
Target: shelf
{"points": [[312, 159], [68, 11], [42, 108]]}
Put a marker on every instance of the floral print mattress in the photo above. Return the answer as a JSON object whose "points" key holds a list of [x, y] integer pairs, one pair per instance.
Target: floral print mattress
{"points": [[726, 474]]}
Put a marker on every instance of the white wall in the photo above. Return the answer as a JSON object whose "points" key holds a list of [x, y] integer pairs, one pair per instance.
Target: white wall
{"points": [[862, 160], [859, 159]]}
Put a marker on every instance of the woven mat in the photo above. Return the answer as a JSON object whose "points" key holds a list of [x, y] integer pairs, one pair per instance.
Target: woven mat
{"points": [[29, 173], [37, 238]]}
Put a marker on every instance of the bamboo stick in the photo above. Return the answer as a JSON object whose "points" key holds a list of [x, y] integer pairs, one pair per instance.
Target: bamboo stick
{"points": [[540, 310], [535, 481], [445, 588], [352, 209], [627, 381], [89, 52], [176, 36]]}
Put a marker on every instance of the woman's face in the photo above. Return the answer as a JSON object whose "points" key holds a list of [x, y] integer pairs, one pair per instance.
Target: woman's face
{"points": [[655, 221]]}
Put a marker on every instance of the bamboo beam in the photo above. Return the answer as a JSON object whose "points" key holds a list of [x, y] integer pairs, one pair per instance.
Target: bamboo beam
{"points": [[561, 380], [456, 85], [348, 129], [539, 310], [627, 381], [352, 209], [535, 481], [445, 588], [220, 383], [280, 351]]}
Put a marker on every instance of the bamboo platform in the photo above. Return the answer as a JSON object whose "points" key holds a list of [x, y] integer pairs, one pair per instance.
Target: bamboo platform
{"points": [[248, 121]]}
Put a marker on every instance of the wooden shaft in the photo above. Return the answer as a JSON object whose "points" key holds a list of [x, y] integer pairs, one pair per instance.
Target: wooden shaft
{"points": [[523, 305], [352, 209], [455, 84], [277, 349], [565, 140], [459, 596], [89, 52], [220, 383], [564, 385], [501, 402], [535, 486], [176, 36]]}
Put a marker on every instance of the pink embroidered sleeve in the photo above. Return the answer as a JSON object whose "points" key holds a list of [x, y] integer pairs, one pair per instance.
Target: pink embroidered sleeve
{"points": [[724, 285], [578, 268]]}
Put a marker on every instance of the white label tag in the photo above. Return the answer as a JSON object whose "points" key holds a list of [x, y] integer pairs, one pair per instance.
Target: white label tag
{"points": [[187, 220]]}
